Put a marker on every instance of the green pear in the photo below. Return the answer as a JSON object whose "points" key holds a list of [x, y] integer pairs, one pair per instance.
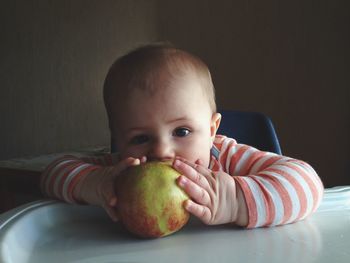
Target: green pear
{"points": [[150, 203]]}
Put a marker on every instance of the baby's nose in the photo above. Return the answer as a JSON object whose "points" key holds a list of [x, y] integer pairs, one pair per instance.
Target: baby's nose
{"points": [[161, 151]]}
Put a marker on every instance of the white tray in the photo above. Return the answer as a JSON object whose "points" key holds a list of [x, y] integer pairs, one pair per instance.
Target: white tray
{"points": [[49, 231]]}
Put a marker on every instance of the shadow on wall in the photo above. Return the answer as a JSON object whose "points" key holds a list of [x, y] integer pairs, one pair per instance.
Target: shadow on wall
{"points": [[55, 57]]}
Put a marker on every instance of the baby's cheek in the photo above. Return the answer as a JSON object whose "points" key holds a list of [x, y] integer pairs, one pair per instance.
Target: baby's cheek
{"points": [[194, 150]]}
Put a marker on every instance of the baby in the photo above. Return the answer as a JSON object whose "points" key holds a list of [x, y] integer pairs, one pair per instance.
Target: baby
{"points": [[161, 106]]}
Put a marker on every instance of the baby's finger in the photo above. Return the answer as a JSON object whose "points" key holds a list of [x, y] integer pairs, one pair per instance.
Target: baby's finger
{"points": [[189, 171], [203, 174], [199, 162], [143, 159], [112, 201], [200, 211], [194, 191], [107, 194], [112, 212], [125, 163], [198, 166]]}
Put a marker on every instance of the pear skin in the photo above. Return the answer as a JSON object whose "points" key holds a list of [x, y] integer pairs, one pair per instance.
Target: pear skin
{"points": [[150, 203]]}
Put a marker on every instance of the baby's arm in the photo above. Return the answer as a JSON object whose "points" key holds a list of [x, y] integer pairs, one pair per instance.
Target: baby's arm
{"points": [[277, 189], [62, 175], [265, 189], [85, 180]]}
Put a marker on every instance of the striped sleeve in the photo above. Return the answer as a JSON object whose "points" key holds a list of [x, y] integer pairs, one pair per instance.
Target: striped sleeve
{"points": [[62, 175], [278, 190]]}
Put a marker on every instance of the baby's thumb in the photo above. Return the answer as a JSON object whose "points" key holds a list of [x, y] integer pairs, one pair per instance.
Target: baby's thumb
{"points": [[113, 201], [125, 163], [112, 213]]}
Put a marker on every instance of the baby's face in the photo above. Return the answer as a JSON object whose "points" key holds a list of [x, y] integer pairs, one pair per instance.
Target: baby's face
{"points": [[175, 121]]}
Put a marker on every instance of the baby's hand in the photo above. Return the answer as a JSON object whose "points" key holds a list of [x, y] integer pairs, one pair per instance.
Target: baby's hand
{"points": [[97, 188], [214, 194]]}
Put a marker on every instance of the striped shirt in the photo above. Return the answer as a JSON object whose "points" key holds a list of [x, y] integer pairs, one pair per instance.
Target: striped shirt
{"points": [[277, 189]]}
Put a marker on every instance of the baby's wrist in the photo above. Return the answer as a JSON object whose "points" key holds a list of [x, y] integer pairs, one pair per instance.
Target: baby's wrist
{"points": [[85, 191], [241, 217]]}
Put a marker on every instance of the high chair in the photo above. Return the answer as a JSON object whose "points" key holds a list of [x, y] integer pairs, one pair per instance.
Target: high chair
{"points": [[251, 128]]}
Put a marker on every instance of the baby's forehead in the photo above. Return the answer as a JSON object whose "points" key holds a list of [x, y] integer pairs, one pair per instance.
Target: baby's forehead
{"points": [[159, 80], [178, 99], [153, 70]]}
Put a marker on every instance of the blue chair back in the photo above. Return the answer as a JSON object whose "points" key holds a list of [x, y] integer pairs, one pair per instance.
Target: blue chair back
{"points": [[251, 128]]}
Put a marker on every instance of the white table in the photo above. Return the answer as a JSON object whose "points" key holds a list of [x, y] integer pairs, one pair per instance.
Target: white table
{"points": [[49, 231]]}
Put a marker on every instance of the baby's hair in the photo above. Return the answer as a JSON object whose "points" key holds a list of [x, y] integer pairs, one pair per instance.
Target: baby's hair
{"points": [[149, 65]]}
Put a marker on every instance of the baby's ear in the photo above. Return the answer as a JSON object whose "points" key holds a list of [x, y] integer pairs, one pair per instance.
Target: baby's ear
{"points": [[215, 123]]}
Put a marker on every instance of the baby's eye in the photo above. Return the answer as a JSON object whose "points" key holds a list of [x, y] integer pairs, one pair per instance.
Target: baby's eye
{"points": [[140, 139], [181, 132]]}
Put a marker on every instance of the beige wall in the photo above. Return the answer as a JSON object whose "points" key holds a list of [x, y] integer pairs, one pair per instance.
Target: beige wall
{"points": [[288, 59]]}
